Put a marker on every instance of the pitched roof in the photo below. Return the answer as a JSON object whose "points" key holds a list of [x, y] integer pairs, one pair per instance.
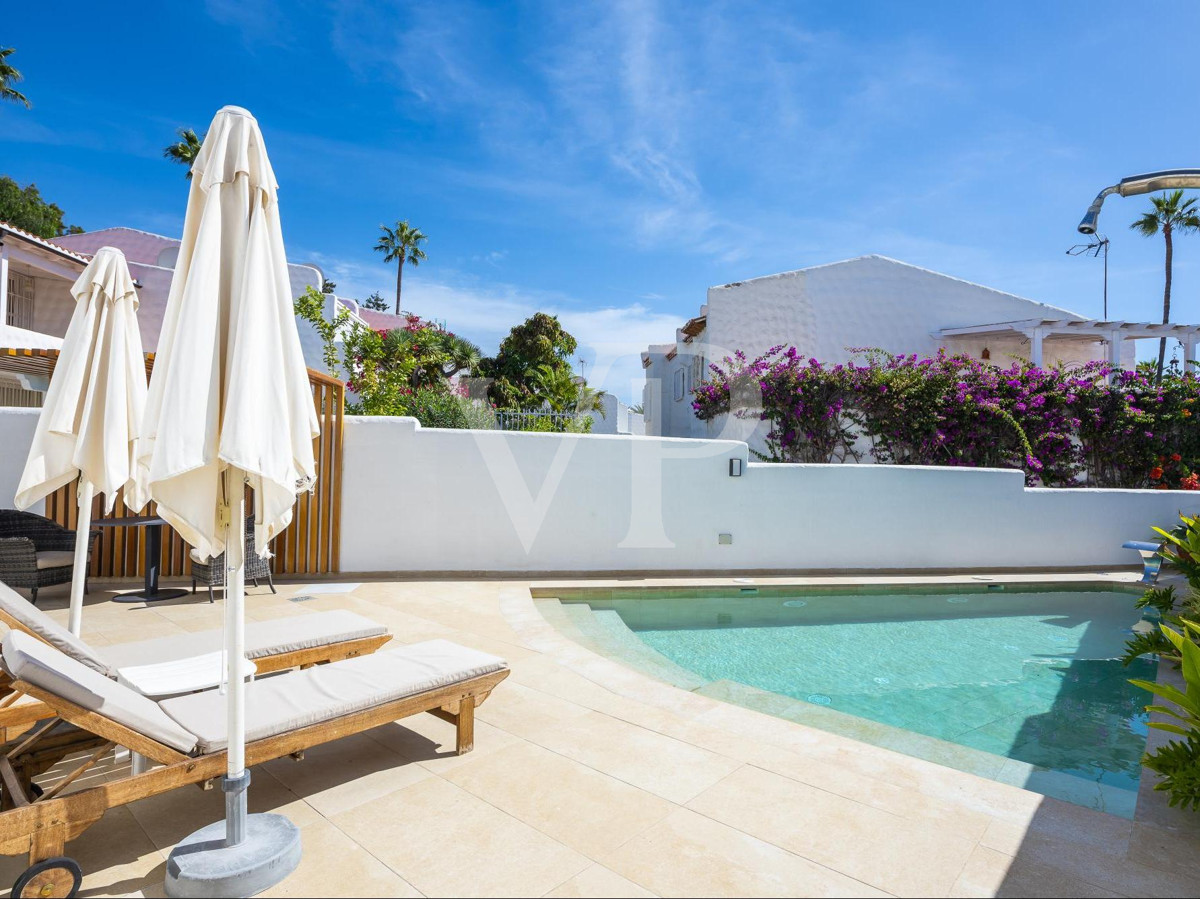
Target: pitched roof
{"points": [[45, 244], [138, 246]]}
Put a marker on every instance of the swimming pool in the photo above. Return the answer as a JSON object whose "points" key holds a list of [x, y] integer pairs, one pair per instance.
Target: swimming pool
{"points": [[1014, 683]]}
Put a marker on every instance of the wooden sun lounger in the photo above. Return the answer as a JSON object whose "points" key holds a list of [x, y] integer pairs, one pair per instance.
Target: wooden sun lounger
{"points": [[41, 824], [18, 713]]}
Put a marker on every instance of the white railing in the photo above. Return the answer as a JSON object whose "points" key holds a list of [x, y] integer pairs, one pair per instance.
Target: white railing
{"points": [[13, 394], [508, 420]]}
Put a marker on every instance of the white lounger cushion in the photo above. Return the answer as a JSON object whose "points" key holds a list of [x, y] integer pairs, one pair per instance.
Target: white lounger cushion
{"points": [[287, 702], [38, 622], [28, 658], [263, 638]]}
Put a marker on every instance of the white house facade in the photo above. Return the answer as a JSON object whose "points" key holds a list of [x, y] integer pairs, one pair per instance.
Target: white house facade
{"points": [[36, 275], [829, 311]]}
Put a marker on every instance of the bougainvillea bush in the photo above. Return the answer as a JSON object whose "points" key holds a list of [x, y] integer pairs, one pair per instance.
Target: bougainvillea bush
{"points": [[1089, 425]]}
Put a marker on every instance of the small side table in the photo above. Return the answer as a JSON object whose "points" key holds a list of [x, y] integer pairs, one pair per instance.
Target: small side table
{"points": [[153, 525]]}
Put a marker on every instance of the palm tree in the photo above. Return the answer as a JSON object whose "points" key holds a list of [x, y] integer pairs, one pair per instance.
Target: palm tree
{"points": [[402, 244], [561, 390], [185, 150], [1171, 213], [8, 77]]}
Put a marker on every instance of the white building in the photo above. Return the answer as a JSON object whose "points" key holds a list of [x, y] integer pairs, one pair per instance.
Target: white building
{"points": [[36, 275], [827, 311]]}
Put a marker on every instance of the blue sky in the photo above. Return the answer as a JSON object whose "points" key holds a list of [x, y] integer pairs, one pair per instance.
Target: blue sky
{"points": [[609, 161]]}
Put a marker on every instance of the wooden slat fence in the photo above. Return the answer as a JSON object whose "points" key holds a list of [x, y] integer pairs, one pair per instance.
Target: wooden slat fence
{"points": [[310, 544]]}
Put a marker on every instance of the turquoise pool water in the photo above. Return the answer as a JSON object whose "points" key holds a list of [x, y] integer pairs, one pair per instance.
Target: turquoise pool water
{"points": [[1028, 676]]}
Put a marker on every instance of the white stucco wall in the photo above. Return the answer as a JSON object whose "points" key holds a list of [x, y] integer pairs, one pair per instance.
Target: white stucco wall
{"points": [[16, 436], [870, 301], [434, 500], [426, 500]]}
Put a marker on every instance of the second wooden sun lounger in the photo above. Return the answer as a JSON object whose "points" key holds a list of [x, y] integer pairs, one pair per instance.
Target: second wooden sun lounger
{"points": [[274, 645], [285, 714]]}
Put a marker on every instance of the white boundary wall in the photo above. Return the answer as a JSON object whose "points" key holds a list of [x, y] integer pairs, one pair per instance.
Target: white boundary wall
{"points": [[437, 500], [425, 500]]}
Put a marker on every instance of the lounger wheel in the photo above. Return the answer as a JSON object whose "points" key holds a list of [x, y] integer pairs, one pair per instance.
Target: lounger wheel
{"points": [[54, 877]]}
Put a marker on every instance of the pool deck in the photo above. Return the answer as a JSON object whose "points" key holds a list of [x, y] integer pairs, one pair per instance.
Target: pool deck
{"points": [[591, 779]]}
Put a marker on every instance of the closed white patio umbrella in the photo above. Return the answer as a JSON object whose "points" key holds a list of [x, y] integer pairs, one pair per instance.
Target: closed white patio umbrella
{"points": [[230, 405], [92, 411]]}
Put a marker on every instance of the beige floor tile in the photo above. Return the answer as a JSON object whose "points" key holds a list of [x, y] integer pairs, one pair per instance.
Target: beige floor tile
{"points": [[169, 817], [115, 855], [691, 855], [338, 776], [446, 842], [522, 711], [430, 742], [896, 855], [904, 802], [598, 882], [335, 865], [1171, 850], [991, 873], [661, 765], [578, 806]]}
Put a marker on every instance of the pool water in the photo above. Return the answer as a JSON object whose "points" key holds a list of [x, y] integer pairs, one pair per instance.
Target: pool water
{"points": [[1029, 676]]}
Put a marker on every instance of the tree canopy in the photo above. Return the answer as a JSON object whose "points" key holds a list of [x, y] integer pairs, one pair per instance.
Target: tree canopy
{"points": [[532, 353], [25, 208]]}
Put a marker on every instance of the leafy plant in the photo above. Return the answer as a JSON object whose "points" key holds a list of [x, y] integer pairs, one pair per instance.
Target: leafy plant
{"points": [[1179, 763], [1091, 425], [310, 306], [25, 208], [1161, 599]]}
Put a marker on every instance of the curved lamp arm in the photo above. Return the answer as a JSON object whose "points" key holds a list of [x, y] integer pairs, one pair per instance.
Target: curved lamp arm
{"points": [[1138, 184]]}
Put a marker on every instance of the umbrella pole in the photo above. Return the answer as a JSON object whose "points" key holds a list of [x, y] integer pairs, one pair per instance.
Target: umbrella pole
{"points": [[237, 779], [79, 570]]}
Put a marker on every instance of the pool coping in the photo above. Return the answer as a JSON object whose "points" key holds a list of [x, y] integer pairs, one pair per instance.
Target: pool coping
{"points": [[1148, 805]]}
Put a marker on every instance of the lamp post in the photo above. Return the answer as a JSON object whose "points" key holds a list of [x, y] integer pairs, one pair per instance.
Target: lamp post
{"points": [[1131, 187], [1138, 184]]}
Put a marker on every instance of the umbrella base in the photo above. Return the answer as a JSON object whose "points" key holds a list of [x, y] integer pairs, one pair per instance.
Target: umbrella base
{"points": [[202, 865]]}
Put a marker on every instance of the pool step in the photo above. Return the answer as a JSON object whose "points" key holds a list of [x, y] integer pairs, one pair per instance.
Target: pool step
{"points": [[565, 623], [604, 633], [627, 646]]}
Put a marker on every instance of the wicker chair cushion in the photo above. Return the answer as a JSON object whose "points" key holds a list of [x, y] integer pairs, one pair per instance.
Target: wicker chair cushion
{"points": [[38, 622], [29, 659], [55, 558]]}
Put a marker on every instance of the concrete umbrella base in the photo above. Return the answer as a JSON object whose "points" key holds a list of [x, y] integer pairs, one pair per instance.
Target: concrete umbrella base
{"points": [[203, 866]]}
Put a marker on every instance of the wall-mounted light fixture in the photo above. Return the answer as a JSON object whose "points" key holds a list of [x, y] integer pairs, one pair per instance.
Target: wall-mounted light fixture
{"points": [[986, 354], [735, 468]]}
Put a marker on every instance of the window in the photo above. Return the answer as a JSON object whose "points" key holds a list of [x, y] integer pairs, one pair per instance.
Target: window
{"points": [[680, 383]]}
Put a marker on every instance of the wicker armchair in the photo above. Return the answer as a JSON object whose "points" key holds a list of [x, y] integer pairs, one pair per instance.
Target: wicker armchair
{"points": [[212, 571], [37, 552]]}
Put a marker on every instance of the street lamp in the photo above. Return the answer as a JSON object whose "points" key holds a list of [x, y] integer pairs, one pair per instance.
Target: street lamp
{"points": [[1138, 184]]}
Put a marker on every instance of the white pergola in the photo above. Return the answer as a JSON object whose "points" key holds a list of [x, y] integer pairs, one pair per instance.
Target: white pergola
{"points": [[1114, 333]]}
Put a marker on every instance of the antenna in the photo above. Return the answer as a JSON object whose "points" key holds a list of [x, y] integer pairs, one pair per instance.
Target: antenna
{"points": [[1098, 247]]}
